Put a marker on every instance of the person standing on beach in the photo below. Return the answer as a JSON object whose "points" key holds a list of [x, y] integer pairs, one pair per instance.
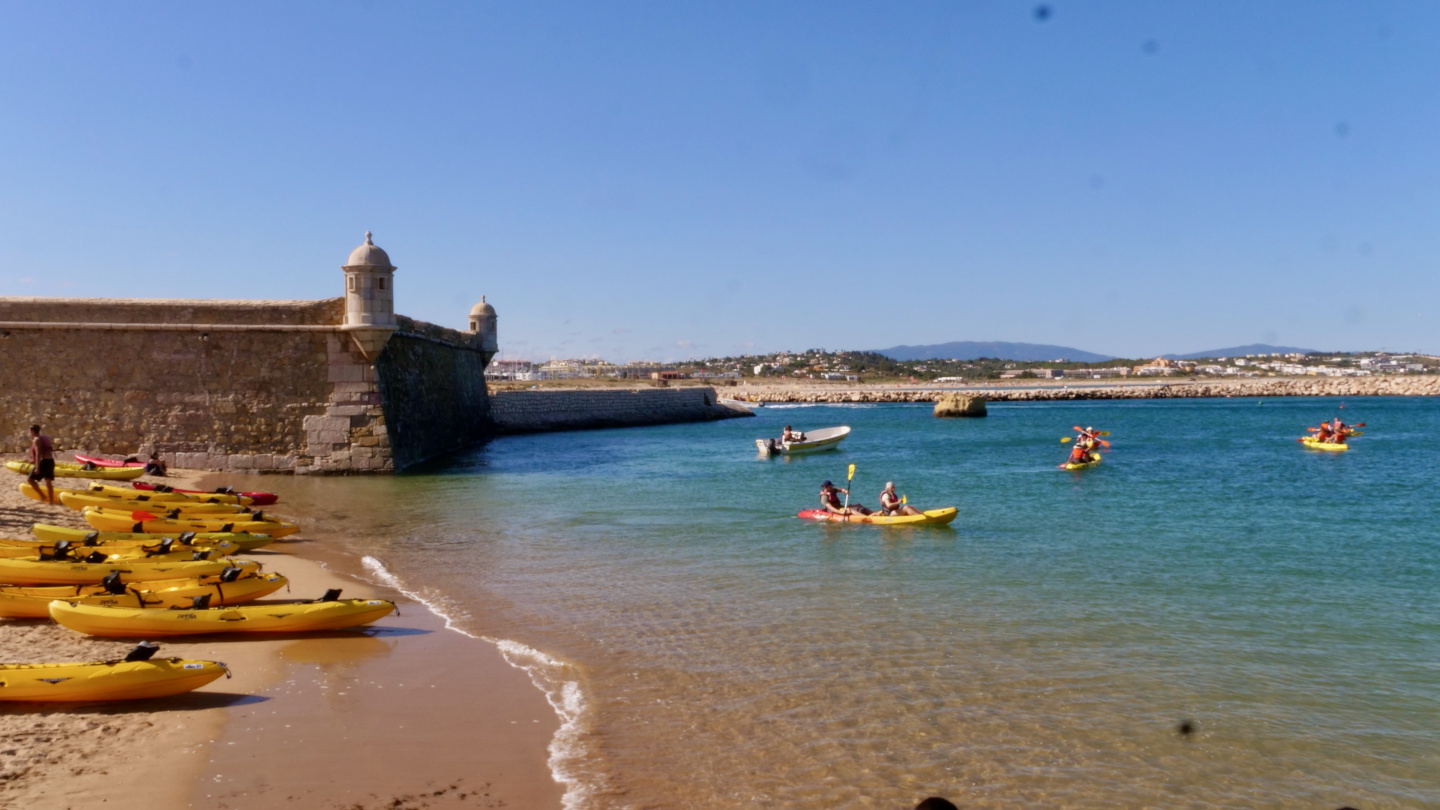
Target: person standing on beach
{"points": [[42, 463]]}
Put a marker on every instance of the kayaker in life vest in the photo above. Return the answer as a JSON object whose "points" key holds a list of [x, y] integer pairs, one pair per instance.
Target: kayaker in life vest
{"points": [[830, 499], [1339, 431], [890, 503]]}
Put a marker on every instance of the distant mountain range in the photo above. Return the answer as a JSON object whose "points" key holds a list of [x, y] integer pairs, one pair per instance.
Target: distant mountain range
{"points": [[1039, 352], [1241, 351]]}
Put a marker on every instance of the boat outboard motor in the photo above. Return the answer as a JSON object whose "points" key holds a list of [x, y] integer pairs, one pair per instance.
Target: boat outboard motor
{"points": [[200, 556], [201, 602], [143, 651], [186, 538], [231, 574], [92, 539], [113, 585], [332, 595]]}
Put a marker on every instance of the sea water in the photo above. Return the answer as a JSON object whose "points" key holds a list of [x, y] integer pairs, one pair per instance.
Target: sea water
{"points": [[1215, 616]]}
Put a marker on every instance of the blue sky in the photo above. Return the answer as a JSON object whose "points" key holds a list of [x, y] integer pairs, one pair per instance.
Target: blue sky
{"points": [[664, 180]]}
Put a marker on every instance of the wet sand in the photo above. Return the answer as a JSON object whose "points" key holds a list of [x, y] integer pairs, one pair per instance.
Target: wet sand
{"points": [[402, 714]]}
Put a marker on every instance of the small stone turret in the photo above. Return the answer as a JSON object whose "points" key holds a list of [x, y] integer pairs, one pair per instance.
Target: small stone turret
{"points": [[482, 323], [369, 298]]}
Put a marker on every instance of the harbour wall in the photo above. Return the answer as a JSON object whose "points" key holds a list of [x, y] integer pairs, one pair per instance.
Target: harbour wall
{"points": [[538, 411], [256, 386]]}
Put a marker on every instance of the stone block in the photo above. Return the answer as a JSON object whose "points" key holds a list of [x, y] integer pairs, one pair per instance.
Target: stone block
{"points": [[346, 372], [263, 461], [240, 461], [345, 410], [314, 423]]}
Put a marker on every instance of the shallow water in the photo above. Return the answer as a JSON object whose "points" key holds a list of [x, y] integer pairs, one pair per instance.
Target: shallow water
{"points": [[1042, 650]]}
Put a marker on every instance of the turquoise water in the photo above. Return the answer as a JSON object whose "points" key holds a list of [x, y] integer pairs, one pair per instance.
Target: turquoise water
{"points": [[1042, 650]]}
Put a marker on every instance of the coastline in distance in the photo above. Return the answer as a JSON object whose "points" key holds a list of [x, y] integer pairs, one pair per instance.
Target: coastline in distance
{"points": [[1040, 352]]}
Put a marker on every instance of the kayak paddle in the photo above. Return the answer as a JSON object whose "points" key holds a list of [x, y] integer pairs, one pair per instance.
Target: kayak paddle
{"points": [[848, 479]]}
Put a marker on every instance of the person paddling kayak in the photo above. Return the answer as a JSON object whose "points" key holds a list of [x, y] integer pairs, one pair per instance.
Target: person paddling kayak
{"points": [[830, 499], [1083, 451], [891, 504]]}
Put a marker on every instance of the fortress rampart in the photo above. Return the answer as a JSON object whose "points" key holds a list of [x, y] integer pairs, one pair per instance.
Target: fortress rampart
{"points": [[537, 411]]}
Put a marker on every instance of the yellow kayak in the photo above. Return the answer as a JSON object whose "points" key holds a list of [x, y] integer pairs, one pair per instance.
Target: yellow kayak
{"points": [[331, 613], [931, 517], [79, 500], [49, 535], [137, 521], [78, 471], [34, 603], [111, 490], [33, 572], [129, 678], [1084, 465], [1310, 442], [15, 549]]}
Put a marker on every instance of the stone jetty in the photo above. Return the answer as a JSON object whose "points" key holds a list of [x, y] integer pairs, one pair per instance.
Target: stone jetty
{"points": [[1418, 385]]}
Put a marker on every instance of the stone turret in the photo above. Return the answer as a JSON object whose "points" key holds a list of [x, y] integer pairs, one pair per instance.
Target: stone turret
{"points": [[369, 298], [482, 323]]}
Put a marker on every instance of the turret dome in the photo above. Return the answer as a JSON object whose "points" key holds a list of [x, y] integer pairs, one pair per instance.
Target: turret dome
{"points": [[368, 255], [482, 309]]}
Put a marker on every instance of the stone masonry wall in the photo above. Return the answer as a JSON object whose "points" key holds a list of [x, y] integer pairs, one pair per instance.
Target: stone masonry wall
{"points": [[536, 411], [434, 392], [218, 399]]}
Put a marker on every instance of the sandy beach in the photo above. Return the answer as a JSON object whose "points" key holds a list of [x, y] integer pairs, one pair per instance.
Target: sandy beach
{"points": [[403, 714]]}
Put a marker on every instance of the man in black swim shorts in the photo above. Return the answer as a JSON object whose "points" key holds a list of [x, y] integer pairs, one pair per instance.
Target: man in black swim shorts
{"points": [[42, 460]]}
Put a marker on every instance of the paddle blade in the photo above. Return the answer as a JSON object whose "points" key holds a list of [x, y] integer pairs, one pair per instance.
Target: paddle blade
{"points": [[903, 500], [1358, 424], [1066, 439], [851, 476]]}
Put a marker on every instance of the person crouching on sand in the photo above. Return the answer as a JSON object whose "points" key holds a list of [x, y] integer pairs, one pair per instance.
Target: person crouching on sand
{"points": [[42, 463], [890, 503], [830, 499]]}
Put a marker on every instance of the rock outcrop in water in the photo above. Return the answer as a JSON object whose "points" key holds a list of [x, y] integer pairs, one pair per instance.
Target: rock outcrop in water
{"points": [[957, 405]]}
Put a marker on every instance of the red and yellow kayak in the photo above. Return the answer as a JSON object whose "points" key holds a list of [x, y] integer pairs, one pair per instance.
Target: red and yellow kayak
{"points": [[931, 517]]}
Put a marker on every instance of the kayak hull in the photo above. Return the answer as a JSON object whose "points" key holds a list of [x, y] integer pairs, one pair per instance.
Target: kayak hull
{"points": [[31, 573], [49, 535], [255, 498], [77, 471], [105, 680], [292, 617], [34, 603], [1326, 446], [105, 462], [1084, 465], [108, 521], [932, 517]]}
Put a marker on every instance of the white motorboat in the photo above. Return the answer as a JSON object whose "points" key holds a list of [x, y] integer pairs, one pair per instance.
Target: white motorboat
{"points": [[813, 441]]}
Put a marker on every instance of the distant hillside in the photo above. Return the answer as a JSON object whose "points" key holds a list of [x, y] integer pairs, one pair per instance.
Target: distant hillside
{"points": [[970, 350], [1241, 351]]}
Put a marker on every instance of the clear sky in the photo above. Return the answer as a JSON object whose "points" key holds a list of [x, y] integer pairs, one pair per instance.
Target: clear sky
{"points": [[664, 180]]}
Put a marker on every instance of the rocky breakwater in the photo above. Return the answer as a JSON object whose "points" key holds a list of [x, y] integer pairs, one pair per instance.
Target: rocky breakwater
{"points": [[1427, 385], [539, 411]]}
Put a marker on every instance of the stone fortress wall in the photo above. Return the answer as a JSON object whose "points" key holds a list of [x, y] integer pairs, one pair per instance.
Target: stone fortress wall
{"points": [[332, 386], [234, 385], [538, 411]]}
